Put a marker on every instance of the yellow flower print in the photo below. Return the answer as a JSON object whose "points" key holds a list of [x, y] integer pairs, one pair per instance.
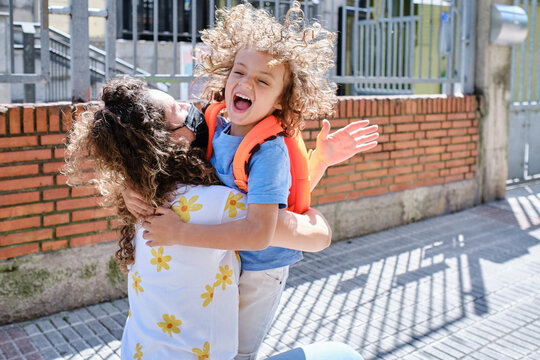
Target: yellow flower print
{"points": [[204, 353], [159, 259], [208, 296], [184, 207], [137, 283], [138, 355], [233, 202], [170, 324], [224, 277]]}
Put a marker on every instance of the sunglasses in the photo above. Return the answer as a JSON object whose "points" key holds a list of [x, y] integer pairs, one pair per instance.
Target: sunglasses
{"points": [[177, 128]]}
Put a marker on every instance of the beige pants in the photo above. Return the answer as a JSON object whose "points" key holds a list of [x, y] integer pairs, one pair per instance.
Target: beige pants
{"points": [[260, 292]]}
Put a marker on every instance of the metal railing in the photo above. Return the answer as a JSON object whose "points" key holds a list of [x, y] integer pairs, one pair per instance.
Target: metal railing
{"points": [[390, 46], [384, 46]]}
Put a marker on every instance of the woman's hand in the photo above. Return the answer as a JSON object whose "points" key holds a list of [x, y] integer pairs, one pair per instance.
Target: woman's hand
{"points": [[136, 204], [163, 228]]}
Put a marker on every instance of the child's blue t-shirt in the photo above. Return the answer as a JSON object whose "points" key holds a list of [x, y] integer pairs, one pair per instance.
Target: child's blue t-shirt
{"points": [[269, 181]]}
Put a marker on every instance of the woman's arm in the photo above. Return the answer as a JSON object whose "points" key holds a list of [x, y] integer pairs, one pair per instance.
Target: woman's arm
{"points": [[306, 232]]}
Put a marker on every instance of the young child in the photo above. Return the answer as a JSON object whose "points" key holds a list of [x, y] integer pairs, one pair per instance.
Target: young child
{"points": [[258, 67]]}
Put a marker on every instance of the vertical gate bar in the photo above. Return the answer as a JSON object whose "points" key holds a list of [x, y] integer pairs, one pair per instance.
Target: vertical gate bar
{"points": [[469, 19], [395, 34], [110, 40], [80, 59], [44, 40], [134, 30], [401, 39], [522, 64], [344, 38], [388, 56], [430, 58], [372, 50], [537, 66], [412, 35], [421, 39], [11, 38], [532, 38], [355, 42], [155, 36], [175, 36], [212, 12], [193, 25], [362, 63], [276, 9]]}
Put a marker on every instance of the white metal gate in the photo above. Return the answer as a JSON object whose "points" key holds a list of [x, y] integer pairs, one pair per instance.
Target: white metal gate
{"points": [[524, 123]]}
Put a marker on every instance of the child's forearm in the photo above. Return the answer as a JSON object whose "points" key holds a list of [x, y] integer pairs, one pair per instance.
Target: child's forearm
{"points": [[306, 232], [251, 233]]}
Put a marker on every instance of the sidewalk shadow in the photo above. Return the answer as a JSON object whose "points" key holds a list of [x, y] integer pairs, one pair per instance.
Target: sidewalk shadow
{"points": [[386, 291]]}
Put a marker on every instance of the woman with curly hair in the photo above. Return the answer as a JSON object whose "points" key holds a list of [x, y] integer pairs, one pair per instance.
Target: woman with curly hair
{"points": [[258, 68]]}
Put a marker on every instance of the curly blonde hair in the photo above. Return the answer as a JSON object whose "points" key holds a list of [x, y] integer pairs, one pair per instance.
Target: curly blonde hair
{"points": [[127, 142], [306, 52]]}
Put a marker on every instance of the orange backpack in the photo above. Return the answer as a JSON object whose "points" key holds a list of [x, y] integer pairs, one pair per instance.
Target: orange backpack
{"points": [[299, 193]]}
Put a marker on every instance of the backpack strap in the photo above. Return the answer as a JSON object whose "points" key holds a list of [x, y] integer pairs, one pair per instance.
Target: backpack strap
{"points": [[265, 130], [300, 192], [210, 115]]}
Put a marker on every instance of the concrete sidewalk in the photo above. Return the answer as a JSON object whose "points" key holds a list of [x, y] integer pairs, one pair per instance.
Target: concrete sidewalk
{"points": [[464, 285]]}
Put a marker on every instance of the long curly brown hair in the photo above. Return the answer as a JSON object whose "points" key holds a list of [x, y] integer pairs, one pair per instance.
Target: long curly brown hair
{"points": [[127, 142], [305, 50]]}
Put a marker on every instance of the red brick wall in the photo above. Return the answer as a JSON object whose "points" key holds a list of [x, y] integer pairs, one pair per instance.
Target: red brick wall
{"points": [[424, 141]]}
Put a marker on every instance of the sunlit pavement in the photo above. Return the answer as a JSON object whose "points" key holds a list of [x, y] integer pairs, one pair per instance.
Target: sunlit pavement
{"points": [[464, 285]]}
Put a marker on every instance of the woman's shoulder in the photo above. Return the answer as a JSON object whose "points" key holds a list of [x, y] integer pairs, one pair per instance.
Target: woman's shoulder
{"points": [[215, 192]]}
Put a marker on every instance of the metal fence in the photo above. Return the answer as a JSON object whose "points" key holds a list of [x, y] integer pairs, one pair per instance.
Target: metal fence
{"points": [[384, 46]]}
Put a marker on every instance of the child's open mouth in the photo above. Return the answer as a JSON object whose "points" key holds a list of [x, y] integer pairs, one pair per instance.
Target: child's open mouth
{"points": [[241, 102]]}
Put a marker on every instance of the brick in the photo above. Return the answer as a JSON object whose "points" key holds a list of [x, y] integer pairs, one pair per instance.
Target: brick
{"points": [[55, 194], [92, 214], [429, 158], [331, 198], [399, 187], [28, 183], [375, 173], [376, 156], [24, 210], [457, 132], [54, 118], [60, 153], [403, 119], [20, 156], [459, 170], [3, 127], [16, 251], [367, 165], [55, 139], [430, 126], [27, 236], [61, 180], [84, 191], [18, 224], [417, 168], [77, 203], [53, 167], [312, 124], [28, 119], [405, 161], [81, 228], [460, 124], [41, 119], [457, 116], [406, 144], [436, 133], [428, 174], [54, 245], [14, 121], [18, 170], [340, 188], [67, 117], [435, 150], [400, 170], [429, 142], [402, 153], [456, 147], [419, 151], [18, 141], [19, 198], [94, 239], [375, 191], [436, 117], [455, 163], [401, 137], [328, 180], [461, 139], [367, 184], [436, 165], [405, 178], [407, 127], [55, 219], [338, 170], [388, 146]]}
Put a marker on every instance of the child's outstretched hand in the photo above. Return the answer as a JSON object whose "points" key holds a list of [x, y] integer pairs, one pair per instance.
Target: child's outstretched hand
{"points": [[346, 142], [163, 228]]}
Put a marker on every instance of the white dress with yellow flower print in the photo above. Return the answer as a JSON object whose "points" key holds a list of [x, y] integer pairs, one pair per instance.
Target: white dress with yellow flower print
{"points": [[184, 300]]}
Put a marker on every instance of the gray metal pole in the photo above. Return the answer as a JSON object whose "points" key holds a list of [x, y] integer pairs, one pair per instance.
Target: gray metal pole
{"points": [[110, 40], [80, 60], [44, 40], [29, 61], [468, 43]]}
